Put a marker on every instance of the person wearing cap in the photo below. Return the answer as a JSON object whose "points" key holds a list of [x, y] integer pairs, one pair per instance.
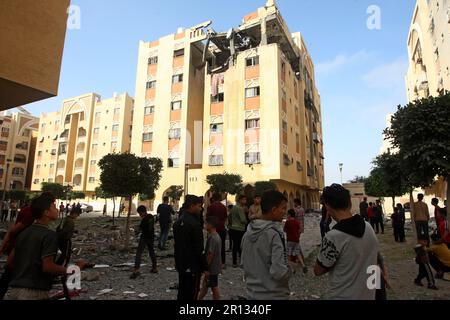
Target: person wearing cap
{"points": [[189, 260]]}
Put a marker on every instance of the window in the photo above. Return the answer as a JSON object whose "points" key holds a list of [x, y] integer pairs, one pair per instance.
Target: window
{"points": [[177, 78], [53, 152], [285, 126], [218, 98], [115, 127], [63, 149], [57, 123], [286, 159], [252, 158], [22, 146], [39, 153], [96, 130], [93, 162], [38, 167], [26, 133], [173, 162], [178, 53], [253, 61], [94, 146], [252, 92], [216, 128], [91, 179], [98, 114], [3, 143], [147, 137], [299, 166], [52, 165], [151, 84], [5, 129], [216, 160], [153, 60], [176, 105], [36, 181], [251, 124], [175, 133], [67, 120], [18, 172], [42, 125], [149, 110], [116, 111], [113, 146]]}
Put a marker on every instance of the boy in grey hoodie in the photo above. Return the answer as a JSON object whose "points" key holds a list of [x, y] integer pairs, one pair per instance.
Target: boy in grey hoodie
{"points": [[264, 255]]}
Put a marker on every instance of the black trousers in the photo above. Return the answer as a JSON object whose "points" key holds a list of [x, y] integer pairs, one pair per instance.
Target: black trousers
{"points": [[378, 224], [145, 242], [13, 215], [223, 237], [399, 233], [425, 272], [437, 264], [422, 230], [188, 285], [4, 281], [5, 215], [230, 239], [237, 239]]}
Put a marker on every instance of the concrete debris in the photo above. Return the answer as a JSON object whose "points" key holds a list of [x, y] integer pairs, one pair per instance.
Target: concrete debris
{"points": [[104, 291], [171, 269], [142, 295], [129, 292], [101, 266], [315, 296]]}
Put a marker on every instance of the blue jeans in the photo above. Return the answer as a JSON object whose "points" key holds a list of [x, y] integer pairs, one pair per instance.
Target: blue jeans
{"points": [[163, 236]]}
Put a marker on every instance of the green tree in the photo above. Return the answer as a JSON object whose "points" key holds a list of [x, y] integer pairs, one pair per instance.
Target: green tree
{"points": [[126, 175], [175, 193], [78, 195], [392, 174], [226, 183], [421, 132], [58, 190], [263, 186]]}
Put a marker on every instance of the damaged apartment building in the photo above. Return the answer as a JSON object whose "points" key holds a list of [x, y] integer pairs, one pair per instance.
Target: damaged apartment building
{"points": [[241, 101]]}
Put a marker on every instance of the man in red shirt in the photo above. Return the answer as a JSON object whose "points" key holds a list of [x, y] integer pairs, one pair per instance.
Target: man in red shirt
{"points": [[443, 232], [292, 229], [218, 210], [24, 220]]}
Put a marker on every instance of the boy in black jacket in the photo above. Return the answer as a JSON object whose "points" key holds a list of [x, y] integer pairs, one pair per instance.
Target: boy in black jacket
{"points": [[147, 229], [189, 260]]}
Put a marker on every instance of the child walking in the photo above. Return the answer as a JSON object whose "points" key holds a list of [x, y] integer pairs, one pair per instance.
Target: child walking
{"points": [[292, 229], [147, 239], [213, 258]]}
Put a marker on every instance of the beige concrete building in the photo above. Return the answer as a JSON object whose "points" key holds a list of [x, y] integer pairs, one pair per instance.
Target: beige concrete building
{"points": [[17, 144], [429, 49], [73, 140], [32, 37], [243, 101]]}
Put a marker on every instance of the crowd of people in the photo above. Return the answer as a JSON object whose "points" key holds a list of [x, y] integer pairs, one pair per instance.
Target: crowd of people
{"points": [[264, 237]]}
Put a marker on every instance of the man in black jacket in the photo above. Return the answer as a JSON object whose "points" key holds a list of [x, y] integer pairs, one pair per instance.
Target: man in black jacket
{"points": [[189, 260], [164, 215]]}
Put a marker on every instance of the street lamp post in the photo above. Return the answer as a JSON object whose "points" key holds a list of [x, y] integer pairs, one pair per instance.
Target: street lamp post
{"points": [[186, 182], [8, 161], [340, 169]]}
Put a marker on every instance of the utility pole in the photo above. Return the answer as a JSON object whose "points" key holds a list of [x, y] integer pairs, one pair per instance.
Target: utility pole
{"points": [[8, 161], [186, 181], [340, 169]]}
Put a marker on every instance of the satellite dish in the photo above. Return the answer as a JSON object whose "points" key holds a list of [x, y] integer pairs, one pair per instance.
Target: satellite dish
{"points": [[230, 34]]}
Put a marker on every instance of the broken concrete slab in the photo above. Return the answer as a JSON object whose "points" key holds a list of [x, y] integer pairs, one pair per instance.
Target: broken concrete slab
{"points": [[104, 291]]}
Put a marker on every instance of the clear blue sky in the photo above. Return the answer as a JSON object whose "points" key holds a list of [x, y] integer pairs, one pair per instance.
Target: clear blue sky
{"points": [[359, 72]]}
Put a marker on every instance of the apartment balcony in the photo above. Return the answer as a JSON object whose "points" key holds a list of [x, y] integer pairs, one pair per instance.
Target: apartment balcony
{"points": [[78, 169], [316, 137], [60, 171]]}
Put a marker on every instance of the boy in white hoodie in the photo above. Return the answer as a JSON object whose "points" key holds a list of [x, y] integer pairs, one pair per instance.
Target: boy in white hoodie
{"points": [[264, 255]]}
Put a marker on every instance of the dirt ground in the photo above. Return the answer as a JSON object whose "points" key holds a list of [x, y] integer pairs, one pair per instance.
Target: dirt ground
{"points": [[100, 243]]}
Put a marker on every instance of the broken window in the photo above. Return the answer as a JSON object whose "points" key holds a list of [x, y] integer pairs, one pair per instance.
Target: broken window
{"points": [[253, 61], [218, 98], [178, 53], [252, 92]]}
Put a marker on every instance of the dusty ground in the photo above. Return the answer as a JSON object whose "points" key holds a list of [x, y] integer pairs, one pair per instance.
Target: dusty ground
{"points": [[101, 244]]}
